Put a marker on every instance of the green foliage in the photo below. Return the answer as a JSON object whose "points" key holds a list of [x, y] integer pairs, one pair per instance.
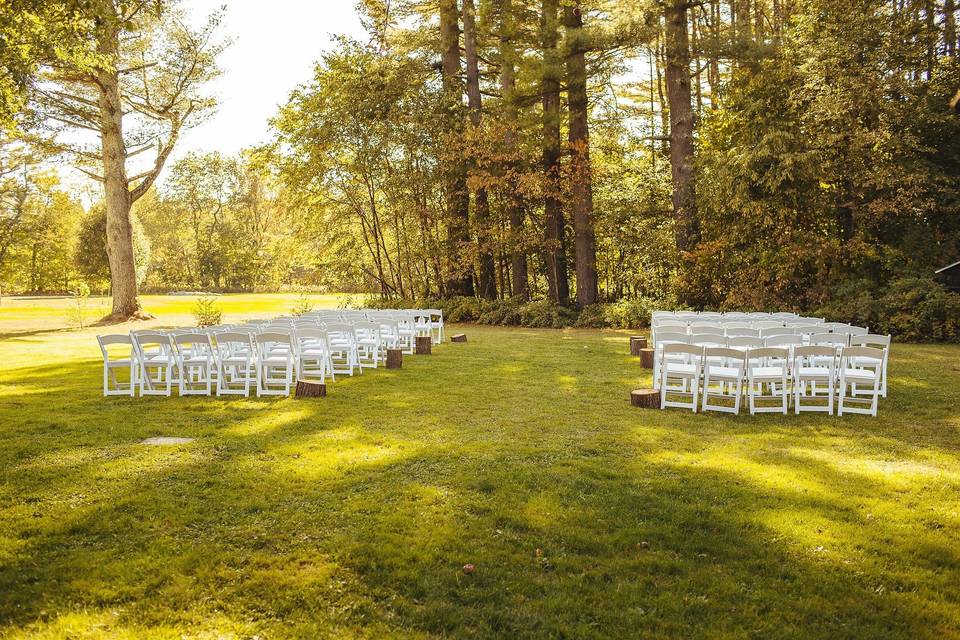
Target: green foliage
{"points": [[207, 312], [910, 309]]}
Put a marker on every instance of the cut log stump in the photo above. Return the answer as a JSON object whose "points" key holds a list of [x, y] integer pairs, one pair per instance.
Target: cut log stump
{"points": [[637, 343], [394, 358], [645, 398], [646, 358], [460, 337], [308, 389], [424, 345]]}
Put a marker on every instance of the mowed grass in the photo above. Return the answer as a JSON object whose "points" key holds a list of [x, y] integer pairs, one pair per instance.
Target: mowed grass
{"points": [[518, 452]]}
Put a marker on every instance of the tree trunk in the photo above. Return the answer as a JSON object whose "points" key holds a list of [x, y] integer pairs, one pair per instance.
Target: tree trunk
{"points": [[487, 278], [585, 243], [554, 241], [123, 273], [950, 27], [681, 125], [456, 195], [508, 85]]}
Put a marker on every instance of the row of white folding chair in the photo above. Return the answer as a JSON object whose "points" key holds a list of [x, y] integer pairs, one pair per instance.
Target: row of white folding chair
{"points": [[836, 342], [197, 360], [725, 371]]}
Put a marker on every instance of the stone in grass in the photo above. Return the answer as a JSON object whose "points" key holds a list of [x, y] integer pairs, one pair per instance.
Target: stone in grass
{"points": [[159, 441]]}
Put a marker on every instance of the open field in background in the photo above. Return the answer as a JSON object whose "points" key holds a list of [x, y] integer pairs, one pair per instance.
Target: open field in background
{"points": [[28, 313], [352, 516]]}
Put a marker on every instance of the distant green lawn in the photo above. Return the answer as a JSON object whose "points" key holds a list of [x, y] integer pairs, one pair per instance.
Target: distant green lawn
{"points": [[352, 516]]}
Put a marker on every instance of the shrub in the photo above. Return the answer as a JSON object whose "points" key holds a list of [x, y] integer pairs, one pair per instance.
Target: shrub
{"points": [[206, 312], [79, 307], [501, 312], [594, 316], [302, 305], [546, 313]]}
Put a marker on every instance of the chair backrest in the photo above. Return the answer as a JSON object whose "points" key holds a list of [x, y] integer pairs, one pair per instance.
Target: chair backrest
{"points": [[671, 325], [767, 324], [834, 339], [229, 342], [765, 354], [834, 326], [810, 320], [770, 332], [116, 338], [195, 340], [743, 333], [151, 341], [685, 349], [711, 327], [273, 337], [783, 341], [857, 331], [726, 355], [869, 340], [861, 357], [744, 342], [674, 337], [806, 329], [814, 354], [709, 340]]}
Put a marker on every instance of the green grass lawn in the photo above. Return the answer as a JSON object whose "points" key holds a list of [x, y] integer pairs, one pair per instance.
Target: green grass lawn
{"points": [[518, 452]]}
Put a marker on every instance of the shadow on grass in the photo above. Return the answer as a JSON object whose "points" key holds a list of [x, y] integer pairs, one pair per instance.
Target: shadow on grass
{"points": [[358, 511]]}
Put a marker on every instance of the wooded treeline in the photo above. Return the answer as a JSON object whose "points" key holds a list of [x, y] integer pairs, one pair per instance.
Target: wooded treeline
{"points": [[713, 153]]}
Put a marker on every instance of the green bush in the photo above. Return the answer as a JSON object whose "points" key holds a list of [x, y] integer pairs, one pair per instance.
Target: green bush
{"points": [[501, 312], [206, 312], [594, 316], [910, 309], [546, 313]]}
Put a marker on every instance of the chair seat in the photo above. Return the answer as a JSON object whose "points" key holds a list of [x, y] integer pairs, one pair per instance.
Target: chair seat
{"points": [[683, 369], [729, 373], [860, 374], [768, 372], [814, 372]]}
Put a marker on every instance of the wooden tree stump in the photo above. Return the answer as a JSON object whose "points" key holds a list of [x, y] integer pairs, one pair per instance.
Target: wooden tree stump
{"points": [[308, 389], [646, 358], [637, 343], [460, 337], [645, 398], [424, 345], [394, 358]]}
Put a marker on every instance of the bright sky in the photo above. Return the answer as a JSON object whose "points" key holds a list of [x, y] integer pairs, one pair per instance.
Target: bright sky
{"points": [[275, 44]]}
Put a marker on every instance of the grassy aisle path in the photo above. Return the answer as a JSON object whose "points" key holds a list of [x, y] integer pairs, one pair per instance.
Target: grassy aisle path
{"points": [[517, 452]]}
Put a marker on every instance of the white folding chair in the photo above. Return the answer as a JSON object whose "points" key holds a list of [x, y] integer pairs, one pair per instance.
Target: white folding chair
{"points": [[366, 337], [313, 354], [861, 370], [436, 324], [343, 348], [770, 367], [157, 362], [878, 342], [771, 332], [195, 363], [662, 339], [237, 368], [814, 372], [275, 359], [683, 365], [725, 368], [127, 361], [744, 343]]}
